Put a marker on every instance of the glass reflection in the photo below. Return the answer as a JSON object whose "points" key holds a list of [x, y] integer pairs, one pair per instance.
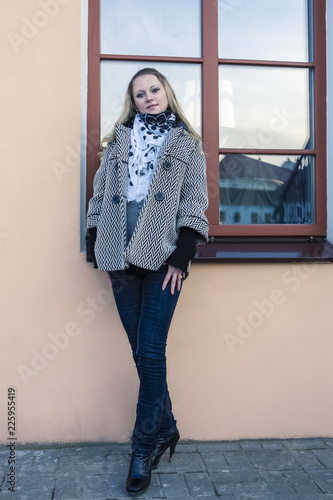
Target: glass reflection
{"points": [[143, 27], [274, 30], [115, 75], [264, 107], [266, 190]]}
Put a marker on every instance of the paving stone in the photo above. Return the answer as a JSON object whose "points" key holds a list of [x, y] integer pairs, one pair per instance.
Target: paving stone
{"points": [[126, 497], [182, 462], [273, 460], [219, 446], [253, 496], [272, 444], [199, 484], [9, 495], [325, 457], [118, 448], [245, 489], [323, 479], [236, 476], [307, 459], [329, 442], [3, 458], [82, 464], [117, 463], [231, 470], [46, 461], [276, 482], [25, 462], [304, 444], [250, 445], [94, 488], [301, 482], [186, 447], [36, 487], [173, 485], [214, 461], [67, 486], [304, 496], [238, 460], [154, 498]]}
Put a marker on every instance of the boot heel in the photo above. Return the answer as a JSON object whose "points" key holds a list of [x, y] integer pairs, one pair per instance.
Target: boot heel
{"points": [[163, 444], [172, 449]]}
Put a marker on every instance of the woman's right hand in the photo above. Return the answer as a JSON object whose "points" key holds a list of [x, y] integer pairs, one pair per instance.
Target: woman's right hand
{"points": [[175, 275]]}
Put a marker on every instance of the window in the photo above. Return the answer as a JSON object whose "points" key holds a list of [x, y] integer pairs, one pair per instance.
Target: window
{"points": [[251, 76]]}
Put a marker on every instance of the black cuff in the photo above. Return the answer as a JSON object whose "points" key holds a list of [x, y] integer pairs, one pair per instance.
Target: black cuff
{"points": [[186, 249], [90, 245]]}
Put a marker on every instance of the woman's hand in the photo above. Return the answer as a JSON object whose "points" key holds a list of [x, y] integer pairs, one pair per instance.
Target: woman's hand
{"points": [[176, 276]]}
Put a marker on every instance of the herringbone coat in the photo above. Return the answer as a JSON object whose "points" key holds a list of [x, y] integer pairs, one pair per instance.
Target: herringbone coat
{"points": [[177, 197]]}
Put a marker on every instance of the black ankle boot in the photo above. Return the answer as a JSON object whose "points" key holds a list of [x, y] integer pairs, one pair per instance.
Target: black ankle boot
{"points": [[139, 473], [162, 445]]}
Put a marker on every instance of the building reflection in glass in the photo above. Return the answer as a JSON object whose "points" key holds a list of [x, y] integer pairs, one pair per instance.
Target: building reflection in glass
{"points": [[255, 191]]}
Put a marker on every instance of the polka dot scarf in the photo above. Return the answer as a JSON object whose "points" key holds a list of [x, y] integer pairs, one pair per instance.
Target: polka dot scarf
{"points": [[147, 136]]}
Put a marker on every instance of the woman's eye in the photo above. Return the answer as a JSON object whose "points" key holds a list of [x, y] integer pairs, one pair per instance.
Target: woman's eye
{"points": [[155, 90], [139, 96]]}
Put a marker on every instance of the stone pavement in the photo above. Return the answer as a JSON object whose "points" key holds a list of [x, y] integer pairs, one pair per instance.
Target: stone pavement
{"points": [[288, 469]]}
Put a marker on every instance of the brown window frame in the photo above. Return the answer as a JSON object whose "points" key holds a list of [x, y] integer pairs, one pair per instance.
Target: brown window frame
{"points": [[210, 63]]}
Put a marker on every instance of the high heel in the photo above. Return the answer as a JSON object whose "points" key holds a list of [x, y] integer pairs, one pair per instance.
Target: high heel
{"points": [[139, 473], [162, 445]]}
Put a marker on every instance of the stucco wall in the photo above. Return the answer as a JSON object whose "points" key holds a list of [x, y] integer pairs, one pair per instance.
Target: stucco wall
{"points": [[249, 352]]}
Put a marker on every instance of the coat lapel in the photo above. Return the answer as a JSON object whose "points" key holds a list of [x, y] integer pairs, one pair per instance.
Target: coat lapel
{"points": [[123, 141], [168, 144]]}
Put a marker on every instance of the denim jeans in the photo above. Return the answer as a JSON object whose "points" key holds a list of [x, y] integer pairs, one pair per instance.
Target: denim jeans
{"points": [[146, 313]]}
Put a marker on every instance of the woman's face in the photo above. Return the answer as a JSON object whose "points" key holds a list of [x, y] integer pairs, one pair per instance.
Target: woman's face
{"points": [[149, 95]]}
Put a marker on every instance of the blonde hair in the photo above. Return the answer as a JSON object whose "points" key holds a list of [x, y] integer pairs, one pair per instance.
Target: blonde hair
{"points": [[129, 109]]}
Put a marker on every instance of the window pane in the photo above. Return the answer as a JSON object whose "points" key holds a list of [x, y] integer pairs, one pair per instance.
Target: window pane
{"points": [[143, 27], [115, 76], [275, 30], [266, 189], [264, 107]]}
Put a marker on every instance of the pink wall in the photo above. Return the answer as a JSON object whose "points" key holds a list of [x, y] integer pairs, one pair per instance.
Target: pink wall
{"points": [[249, 352]]}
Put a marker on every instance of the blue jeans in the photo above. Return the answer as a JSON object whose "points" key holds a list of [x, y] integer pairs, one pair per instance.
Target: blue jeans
{"points": [[146, 313]]}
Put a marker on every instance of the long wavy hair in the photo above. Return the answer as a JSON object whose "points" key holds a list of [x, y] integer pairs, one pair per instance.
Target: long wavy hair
{"points": [[129, 109]]}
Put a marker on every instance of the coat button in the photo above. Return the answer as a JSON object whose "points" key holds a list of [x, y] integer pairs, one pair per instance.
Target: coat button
{"points": [[159, 196], [167, 165], [116, 198]]}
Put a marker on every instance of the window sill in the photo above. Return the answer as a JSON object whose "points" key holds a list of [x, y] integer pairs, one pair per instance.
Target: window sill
{"points": [[279, 249]]}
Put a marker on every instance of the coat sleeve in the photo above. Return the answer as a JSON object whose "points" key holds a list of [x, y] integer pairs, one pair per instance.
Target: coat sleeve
{"points": [[193, 197], [95, 203]]}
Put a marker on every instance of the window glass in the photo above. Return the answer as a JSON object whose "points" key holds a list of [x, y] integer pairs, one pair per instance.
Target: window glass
{"points": [[275, 30], [115, 76], [264, 107], [266, 189], [143, 27]]}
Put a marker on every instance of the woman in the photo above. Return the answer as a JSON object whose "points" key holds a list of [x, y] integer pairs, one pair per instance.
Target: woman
{"points": [[143, 223]]}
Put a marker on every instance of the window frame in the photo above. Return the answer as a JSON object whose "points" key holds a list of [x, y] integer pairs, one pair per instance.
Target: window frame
{"points": [[210, 63]]}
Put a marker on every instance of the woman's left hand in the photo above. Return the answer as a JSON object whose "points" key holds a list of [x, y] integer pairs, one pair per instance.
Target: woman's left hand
{"points": [[176, 276]]}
